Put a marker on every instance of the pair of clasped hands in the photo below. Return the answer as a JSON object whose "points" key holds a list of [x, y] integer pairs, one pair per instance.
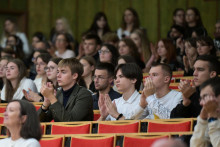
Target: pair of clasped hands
{"points": [[47, 90]]}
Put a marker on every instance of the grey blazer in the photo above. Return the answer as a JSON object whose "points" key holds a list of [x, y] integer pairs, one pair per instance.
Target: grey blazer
{"points": [[79, 107]]}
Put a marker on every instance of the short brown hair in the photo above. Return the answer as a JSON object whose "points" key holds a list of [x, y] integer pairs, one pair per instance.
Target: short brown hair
{"points": [[74, 65]]}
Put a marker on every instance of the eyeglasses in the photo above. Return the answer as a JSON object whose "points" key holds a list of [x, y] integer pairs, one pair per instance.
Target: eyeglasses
{"points": [[51, 68], [103, 51], [98, 78]]}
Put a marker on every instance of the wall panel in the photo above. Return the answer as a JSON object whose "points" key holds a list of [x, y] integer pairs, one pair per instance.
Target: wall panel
{"points": [[39, 17], [155, 15], [114, 10], [148, 14], [86, 12]]}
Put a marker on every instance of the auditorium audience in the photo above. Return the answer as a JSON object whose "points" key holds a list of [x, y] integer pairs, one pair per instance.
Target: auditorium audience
{"points": [[99, 25], [70, 88], [92, 44], [72, 102], [41, 62], [21, 120], [190, 57], [167, 53], [3, 64], [16, 81], [16, 44], [108, 54], [37, 37], [179, 17], [103, 80], [158, 99], [143, 45], [205, 67], [128, 47], [205, 46], [178, 27], [88, 64], [62, 44], [128, 78], [51, 71], [193, 21], [32, 67], [61, 26], [11, 28], [207, 129], [217, 36], [130, 22]]}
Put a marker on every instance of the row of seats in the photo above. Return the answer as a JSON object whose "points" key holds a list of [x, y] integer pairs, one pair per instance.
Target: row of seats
{"points": [[107, 140], [126, 126]]}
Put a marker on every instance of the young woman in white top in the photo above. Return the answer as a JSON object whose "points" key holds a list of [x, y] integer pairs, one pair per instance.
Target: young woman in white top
{"points": [[128, 80], [51, 71], [10, 28], [22, 122], [130, 22], [100, 25], [41, 63], [64, 49], [16, 81], [61, 26], [143, 45]]}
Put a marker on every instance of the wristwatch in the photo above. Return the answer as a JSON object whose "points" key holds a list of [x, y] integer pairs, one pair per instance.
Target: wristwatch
{"points": [[211, 119], [119, 116]]}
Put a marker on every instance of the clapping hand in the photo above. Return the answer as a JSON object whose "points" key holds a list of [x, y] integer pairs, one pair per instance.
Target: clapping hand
{"points": [[187, 90], [31, 96], [111, 107], [102, 106]]}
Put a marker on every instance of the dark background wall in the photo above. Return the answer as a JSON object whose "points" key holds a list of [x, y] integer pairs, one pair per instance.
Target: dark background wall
{"points": [[155, 15]]}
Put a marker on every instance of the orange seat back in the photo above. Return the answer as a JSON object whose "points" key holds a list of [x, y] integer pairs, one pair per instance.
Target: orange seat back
{"points": [[140, 141], [119, 128], [52, 142], [70, 129], [92, 142], [169, 127], [2, 109]]}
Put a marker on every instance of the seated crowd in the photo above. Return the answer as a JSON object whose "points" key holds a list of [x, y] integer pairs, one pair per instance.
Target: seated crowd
{"points": [[105, 72]]}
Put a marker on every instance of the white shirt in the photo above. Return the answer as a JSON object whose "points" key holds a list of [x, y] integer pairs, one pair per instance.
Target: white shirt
{"points": [[67, 54], [129, 108], [121, 32], [24, 84], [38, 83], [162, 107], [21, 142]]}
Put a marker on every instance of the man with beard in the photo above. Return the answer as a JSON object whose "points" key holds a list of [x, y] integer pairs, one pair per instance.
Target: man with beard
{"points": [[103, 79]]}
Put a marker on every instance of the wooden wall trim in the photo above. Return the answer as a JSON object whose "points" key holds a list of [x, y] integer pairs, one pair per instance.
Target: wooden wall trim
{"points": [[158, 20], [51, 14], [217, 10], [77, 20]]}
